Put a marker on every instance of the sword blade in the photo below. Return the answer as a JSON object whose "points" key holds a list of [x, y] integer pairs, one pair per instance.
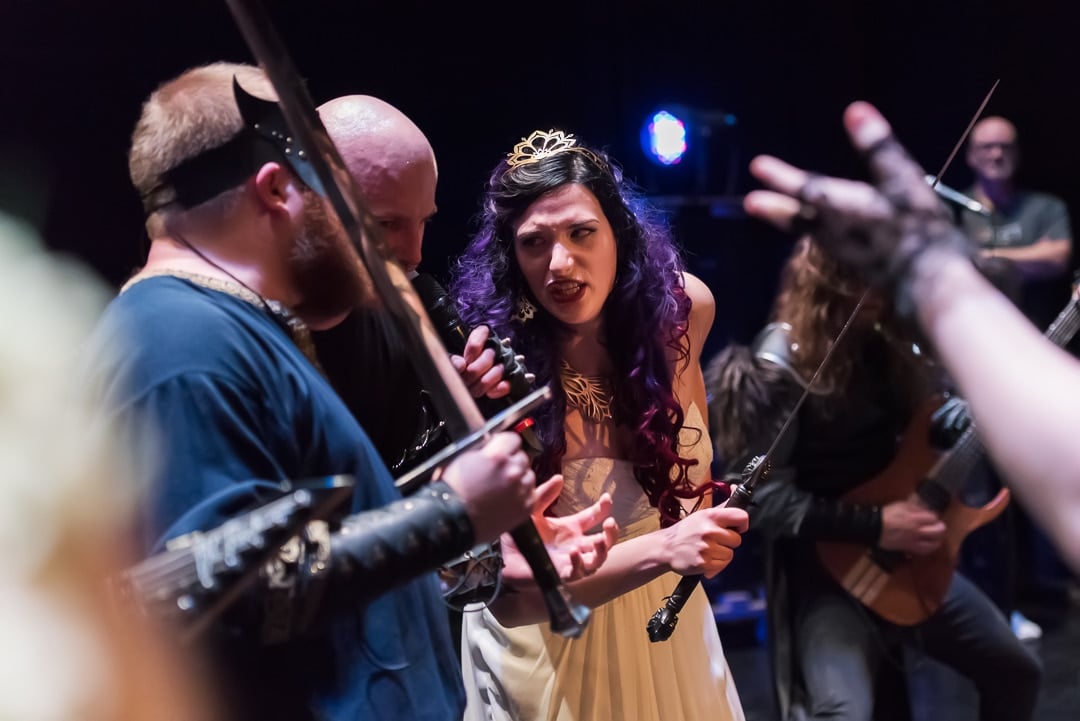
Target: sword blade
{"points": [[964, 136], [449, 393]]}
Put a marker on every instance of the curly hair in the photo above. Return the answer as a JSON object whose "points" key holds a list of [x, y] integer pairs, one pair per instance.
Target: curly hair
{"points": [[645, 318], [817, 295]]}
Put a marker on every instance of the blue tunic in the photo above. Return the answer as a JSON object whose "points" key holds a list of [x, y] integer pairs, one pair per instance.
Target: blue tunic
{"points": [[216, 395]]}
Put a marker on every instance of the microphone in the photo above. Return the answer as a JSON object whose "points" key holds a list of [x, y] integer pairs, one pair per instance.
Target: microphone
{"points": [[454, 335], [662, 624], [957, 197], [567, 617]]}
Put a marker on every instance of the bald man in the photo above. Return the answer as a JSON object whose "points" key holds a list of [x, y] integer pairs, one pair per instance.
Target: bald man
{"points": [[393, 166], [1030, 230], [363, 356]]}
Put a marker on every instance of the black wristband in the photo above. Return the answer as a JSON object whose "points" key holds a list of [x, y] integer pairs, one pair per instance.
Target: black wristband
{"points": [[833, 520]]}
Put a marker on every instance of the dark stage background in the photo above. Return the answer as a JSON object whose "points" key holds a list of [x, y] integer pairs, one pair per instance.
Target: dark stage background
{"points": [[477, 77]]}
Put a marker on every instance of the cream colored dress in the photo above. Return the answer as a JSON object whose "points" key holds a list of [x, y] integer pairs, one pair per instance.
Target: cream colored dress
{"points": [[612, 672]]}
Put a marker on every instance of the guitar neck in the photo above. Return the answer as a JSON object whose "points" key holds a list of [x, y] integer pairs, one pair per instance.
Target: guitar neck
{"points": [[200, 563], [204, 562], [1064, 327]]}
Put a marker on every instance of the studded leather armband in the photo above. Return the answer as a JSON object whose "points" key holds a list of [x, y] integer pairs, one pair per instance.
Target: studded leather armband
{"points": [[378, 550], [320, 573]]}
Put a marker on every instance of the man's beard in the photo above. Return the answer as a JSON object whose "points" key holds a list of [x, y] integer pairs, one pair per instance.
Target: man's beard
{"points": [[326, 270]]}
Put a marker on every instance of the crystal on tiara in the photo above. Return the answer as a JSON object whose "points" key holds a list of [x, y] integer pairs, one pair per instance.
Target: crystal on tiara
{"points": [[540, 145]]}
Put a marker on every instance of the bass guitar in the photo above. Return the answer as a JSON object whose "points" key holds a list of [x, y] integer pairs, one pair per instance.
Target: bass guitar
{"points": [[899, 588], [202, 573]]}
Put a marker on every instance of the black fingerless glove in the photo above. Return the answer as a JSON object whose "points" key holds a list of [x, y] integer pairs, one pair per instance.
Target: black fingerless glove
{"points": [[922, 238], [832, 520], [885, 235]]}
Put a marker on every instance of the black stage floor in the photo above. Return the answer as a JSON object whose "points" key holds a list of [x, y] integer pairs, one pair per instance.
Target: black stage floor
{"points": [[937, 692]]}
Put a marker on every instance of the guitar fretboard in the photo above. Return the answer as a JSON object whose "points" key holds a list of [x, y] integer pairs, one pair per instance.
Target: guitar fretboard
{"points": [[1064, 327]]}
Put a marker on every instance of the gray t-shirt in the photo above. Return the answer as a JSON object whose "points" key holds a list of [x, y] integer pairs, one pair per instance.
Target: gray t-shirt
{"points": [[1030, 217]]}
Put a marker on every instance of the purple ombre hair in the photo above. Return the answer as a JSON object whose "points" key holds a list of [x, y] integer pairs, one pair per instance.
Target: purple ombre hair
{"points": [[645, 316]]}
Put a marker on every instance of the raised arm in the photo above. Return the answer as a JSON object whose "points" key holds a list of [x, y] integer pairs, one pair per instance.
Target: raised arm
{"points": [[1024, 391]]}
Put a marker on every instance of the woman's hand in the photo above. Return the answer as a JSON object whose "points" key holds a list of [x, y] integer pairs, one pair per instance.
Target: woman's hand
{"points": [[574, 551], [705, 541]]}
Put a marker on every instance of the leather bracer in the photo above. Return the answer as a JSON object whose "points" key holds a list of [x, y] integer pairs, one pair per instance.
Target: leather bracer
{"points": [[381, 549], [319, 574]]}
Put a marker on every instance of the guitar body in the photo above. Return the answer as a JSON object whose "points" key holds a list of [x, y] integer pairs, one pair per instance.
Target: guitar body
{"points": [[906, 590]]}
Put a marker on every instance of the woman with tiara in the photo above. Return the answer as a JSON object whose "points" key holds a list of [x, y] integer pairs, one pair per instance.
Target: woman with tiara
{"points": [[585, 280]]}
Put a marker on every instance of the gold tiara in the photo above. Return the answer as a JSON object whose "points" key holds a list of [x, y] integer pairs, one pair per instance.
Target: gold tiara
{"points": [[540, 145]]}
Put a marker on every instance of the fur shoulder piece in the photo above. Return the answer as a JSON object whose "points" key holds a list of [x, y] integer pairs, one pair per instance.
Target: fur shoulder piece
{"points": [[749, 399]]}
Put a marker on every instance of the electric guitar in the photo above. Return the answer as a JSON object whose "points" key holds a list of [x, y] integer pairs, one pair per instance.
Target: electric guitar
{"points": [[201, 573], [907, 590]]}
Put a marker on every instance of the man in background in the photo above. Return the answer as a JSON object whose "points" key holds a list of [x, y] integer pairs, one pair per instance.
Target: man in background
{"points": [[1028, 229]]}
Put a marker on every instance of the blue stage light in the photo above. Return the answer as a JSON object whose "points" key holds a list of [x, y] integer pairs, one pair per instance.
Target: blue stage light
{"points": [[664, 138]]}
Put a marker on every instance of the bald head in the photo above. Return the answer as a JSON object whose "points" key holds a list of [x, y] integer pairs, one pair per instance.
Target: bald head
{"points": [[993, 126], [392, 164], [992, 151]]}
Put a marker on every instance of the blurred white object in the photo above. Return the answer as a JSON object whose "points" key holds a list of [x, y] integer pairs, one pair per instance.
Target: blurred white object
{"points": [[957, 197], [67, 495], [1024, 628]]}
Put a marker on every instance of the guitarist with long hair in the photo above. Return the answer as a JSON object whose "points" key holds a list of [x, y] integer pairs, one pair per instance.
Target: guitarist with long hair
{"points": [[847, 524]]}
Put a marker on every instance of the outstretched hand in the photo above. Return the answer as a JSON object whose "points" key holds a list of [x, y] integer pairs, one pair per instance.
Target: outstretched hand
{"points": [[884, 228], [574, 551]]}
